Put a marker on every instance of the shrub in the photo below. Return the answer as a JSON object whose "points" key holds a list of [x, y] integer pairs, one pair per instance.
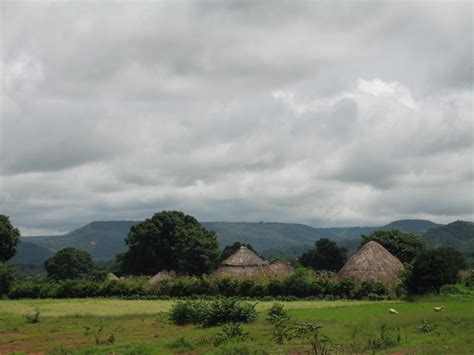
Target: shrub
{"points": [[371, 287], [276, 312], [319, 341], [231, 332], [297, 284], [33, 318], [230, 310], [191, 311], [346, 287], [228, 286], [427, 327], [6, 277]]}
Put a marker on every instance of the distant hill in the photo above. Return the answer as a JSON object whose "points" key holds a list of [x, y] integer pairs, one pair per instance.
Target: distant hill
{"points": [[458, 235], [31, 253], [105, 239]]}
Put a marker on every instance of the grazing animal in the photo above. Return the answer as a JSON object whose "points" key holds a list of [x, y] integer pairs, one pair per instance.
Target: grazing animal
{"points": [[438, 309], [392, 311]]}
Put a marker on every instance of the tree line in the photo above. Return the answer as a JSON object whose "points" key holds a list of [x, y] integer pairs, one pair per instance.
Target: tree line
{"points": [[174, 241]]}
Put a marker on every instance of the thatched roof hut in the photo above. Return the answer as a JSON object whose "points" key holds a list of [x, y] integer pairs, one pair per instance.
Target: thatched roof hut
{"points": [[242, 264], [278, 268], [372, 262], [162, 275], [111, 277]]}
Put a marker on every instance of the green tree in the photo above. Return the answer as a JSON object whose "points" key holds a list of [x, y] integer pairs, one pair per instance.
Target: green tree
{"points": [[69, 263], [231, 249], [9, 239], [405, 246], [7, 273], [434, 268], [326, 255], [170, 240]]}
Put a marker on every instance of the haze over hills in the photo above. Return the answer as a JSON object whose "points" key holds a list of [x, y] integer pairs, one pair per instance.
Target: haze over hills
{"points": [[104, 239]]}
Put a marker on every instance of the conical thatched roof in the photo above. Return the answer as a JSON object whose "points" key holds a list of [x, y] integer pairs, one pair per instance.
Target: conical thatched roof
{"points": [[162, 275], [244, 257], [373, 262], [279, 268], [112, 277]]}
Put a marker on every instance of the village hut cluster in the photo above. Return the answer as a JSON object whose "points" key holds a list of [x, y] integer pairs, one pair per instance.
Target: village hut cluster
{"points": [[371, 262]]}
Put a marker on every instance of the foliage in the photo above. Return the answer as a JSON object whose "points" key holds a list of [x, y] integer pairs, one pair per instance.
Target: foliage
{"points": [[231, 332], [433, 269], [170, 240], [426, 326], [326, 255], [384, 339], [69, 264], [230, 310], [33, 318], [231, 249], [181, 344], [9, 239], [458, 235], [405, 246], [276, 312], [319, 341], [189, 311], [7, 273]]}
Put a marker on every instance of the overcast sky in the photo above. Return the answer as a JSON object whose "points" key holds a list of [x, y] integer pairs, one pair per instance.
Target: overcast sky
{"points": [[329, 113]]}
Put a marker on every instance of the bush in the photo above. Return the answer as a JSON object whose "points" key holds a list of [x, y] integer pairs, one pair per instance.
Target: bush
{"points": [[276, 312], [230, 310], [6, 277], [184, 312]]}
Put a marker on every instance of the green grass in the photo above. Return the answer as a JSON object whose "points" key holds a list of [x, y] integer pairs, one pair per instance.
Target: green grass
{"points": [[142, 327]]}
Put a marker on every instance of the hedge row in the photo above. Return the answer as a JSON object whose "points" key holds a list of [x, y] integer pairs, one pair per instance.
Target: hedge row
{"points": [[301, 284]]}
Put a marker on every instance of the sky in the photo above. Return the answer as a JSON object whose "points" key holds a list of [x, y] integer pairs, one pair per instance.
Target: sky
{"points": [[324, 113]]}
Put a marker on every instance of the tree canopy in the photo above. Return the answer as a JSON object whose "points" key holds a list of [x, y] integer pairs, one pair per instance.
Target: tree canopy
{"points": [[172, 241], [405, 246], [434, 268], [231, 249], [326, 255], [9, 239], [69, 263]]}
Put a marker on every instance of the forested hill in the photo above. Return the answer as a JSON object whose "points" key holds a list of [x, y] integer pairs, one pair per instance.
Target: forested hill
{"points": [[105, 239], [459, 235]]}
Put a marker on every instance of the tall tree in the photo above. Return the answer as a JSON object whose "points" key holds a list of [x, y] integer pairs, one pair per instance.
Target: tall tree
{"points": [[69, 264], [9, 239], [326, 255], [170, 240], [405, 246], [434, 268]]}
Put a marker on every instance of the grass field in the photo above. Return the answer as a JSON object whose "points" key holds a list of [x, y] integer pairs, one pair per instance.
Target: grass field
{"points": [[93, 326]]}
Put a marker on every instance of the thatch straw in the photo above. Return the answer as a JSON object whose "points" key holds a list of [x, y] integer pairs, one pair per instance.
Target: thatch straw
{"points": [[162, 275], [372, 262], [111, 277], [279, 268], [244, 257]]}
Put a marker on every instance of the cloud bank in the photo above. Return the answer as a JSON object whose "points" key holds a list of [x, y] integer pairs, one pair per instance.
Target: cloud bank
{"points": [[327, 114]]}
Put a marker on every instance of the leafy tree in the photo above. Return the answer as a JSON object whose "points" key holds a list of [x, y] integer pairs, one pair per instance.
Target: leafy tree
{"points": [[434, 268], [69, 263], [170, 240], [6, 277], [405, 246], [326, 255], [231, 249], [9, 239]]}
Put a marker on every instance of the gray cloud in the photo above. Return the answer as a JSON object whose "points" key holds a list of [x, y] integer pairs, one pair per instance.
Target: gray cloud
{"points": [[329, 114]]}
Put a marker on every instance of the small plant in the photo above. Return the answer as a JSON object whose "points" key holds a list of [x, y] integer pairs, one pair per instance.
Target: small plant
{"points": [[230, 310], [33, 318], [385, 340], [181, 344], [427, 327], [281, 330], [231, 332], [319, 341], [99, 340], [276, 312], [191, 311]]}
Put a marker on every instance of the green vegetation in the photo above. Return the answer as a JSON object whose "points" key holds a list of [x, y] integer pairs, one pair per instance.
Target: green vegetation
{"points": [[9, 239], [96, 326], [69, 264], [326, 255], [434, 268], [405, 246], [170, 240]]}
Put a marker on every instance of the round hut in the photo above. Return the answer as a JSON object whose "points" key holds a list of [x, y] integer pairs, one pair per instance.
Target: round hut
{"points": [[372, 262], [111, 277], [162, 275], [278, 268], [242, 264]]}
